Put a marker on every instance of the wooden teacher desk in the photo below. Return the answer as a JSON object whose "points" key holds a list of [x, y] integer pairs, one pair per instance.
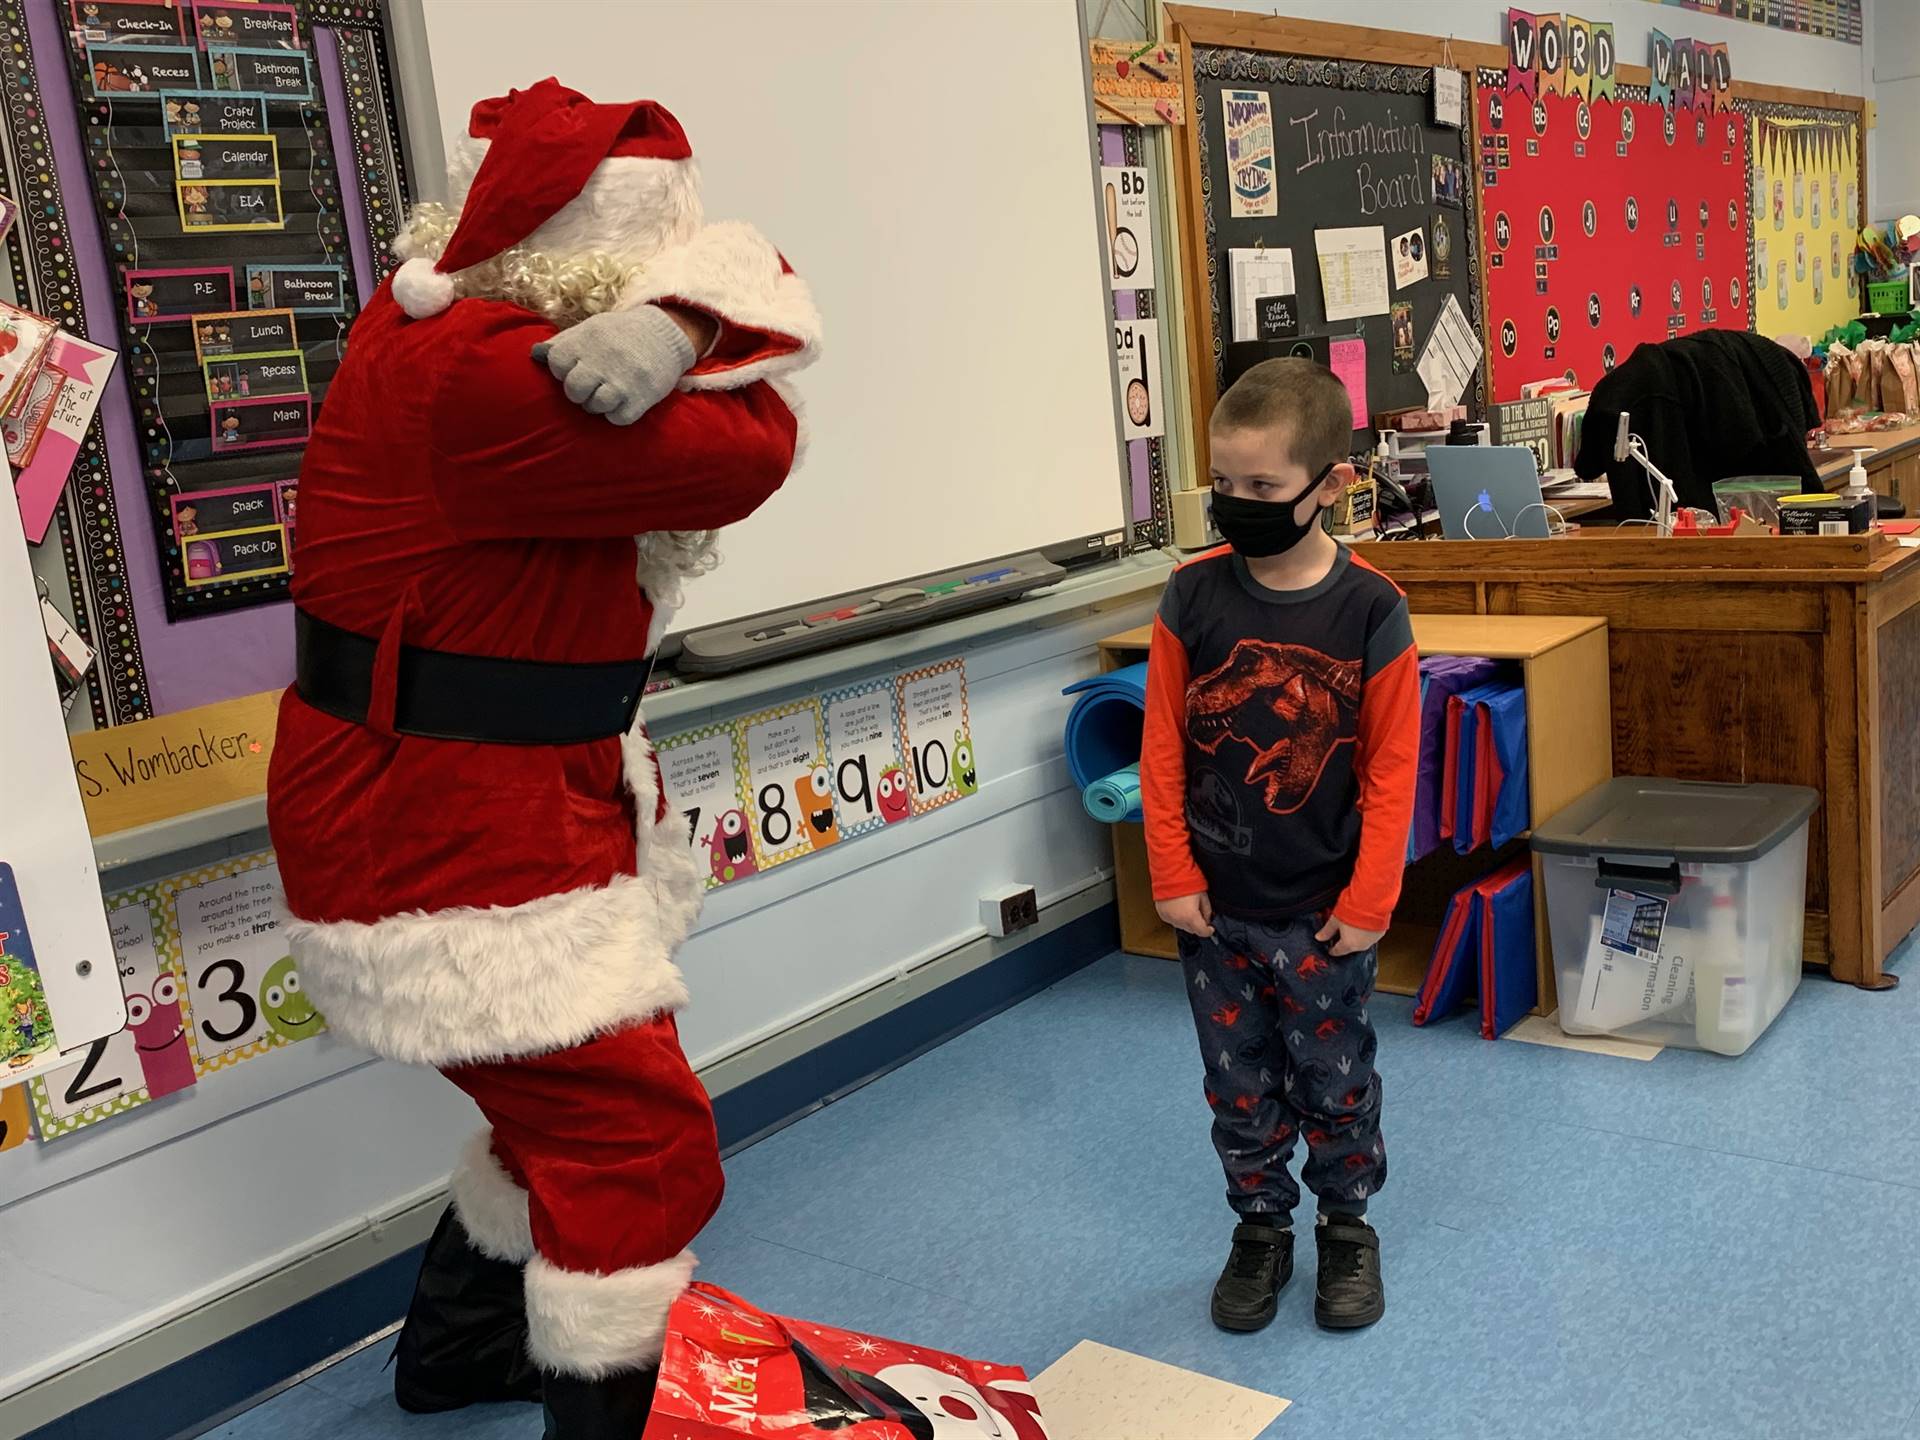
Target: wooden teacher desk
{"points": [[1792, 660]]}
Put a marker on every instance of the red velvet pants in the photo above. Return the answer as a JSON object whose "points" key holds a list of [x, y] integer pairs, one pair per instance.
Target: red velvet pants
{"points": [[601, 1167]]}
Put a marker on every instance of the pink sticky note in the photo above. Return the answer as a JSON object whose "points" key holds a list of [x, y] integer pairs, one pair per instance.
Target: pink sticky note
{"points": [[38, 487], [1347, 358]]}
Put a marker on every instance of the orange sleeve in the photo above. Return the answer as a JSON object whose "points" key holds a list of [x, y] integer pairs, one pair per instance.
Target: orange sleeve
{"points": [[1387, 763], [1163, 770]]}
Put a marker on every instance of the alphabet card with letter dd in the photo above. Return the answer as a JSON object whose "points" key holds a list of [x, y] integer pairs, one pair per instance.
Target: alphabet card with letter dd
{"points": [[786, 783]]}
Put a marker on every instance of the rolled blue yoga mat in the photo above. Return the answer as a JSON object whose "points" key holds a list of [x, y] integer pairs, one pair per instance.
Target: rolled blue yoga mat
{"points": [[1103, 728], [1116, 797]]}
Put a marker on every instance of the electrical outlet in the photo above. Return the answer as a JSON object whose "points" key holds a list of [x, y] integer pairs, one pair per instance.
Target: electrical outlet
{"points": [[1008, 911]]}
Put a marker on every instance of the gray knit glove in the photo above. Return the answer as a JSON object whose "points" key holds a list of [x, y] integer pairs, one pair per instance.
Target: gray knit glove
{"points": [[621, 363]]}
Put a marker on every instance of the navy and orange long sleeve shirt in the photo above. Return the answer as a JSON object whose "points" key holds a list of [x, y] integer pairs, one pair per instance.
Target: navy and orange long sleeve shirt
{"points": [[1282, 742]]}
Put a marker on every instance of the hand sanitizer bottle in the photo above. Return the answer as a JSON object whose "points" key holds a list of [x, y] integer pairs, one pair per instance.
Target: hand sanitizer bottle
{"points": [[1726, 1008]]}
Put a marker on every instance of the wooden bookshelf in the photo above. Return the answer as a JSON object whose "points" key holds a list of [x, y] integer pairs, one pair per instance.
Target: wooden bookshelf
{"points": [[1563, 665]]}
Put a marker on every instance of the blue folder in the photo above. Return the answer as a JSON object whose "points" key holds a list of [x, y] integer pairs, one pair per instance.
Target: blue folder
{"points": [[1509, 976], [1441, 678], [1485, 952]]}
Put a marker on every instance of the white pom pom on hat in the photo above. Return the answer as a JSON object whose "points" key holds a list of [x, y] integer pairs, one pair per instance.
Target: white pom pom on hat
{"points": [[421, 289], [544, 144]]}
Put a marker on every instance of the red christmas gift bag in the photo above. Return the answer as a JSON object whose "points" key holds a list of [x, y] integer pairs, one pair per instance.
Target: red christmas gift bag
{"points": [[733, 1370]]}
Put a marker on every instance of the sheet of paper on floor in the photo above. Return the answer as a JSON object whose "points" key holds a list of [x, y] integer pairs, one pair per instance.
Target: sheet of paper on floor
{"points": [[1095, 1392]]}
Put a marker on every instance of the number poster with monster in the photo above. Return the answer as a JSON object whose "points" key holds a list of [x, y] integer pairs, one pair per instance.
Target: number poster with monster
{"points": [[786, 783], [207, 981]]}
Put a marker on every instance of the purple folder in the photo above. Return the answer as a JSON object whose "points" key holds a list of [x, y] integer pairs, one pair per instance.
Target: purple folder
{"points": [[1442, 677]]}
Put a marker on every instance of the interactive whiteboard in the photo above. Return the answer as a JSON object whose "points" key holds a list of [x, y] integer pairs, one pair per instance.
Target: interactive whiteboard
{"points": [[928, 167]]}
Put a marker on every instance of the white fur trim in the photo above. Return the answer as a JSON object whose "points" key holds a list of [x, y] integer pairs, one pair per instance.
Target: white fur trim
{"points": [[468, 984], [422, 290], [491, 1207], [663, 614], [732, 271], [630, 208], [580, 1323]]}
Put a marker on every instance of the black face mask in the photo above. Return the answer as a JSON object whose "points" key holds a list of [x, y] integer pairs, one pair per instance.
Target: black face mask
{"points": [[1260, 529]]}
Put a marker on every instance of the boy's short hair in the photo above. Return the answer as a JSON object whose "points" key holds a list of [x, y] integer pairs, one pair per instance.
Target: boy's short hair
{"points": [[1299, 396]]}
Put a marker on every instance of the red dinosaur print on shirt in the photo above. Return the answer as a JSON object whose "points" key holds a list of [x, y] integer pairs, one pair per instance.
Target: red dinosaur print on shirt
{"points": [[1289, 704]]}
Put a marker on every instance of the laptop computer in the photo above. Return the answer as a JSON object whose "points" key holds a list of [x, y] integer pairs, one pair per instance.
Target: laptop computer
{"points": [[1487, 492]]}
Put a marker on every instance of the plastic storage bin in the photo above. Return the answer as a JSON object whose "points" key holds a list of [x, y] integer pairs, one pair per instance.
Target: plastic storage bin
{"points": [[1677, 909]]}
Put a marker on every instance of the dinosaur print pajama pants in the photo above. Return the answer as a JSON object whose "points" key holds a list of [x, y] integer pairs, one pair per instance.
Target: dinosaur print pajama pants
{"points": [[1289, 1051]]}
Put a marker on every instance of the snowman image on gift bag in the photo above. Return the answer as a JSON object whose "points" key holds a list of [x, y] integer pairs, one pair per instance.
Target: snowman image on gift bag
{"points": [[935, 1405]]}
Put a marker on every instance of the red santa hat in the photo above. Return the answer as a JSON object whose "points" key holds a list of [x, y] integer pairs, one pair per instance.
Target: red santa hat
{"points": [[543, 147]]}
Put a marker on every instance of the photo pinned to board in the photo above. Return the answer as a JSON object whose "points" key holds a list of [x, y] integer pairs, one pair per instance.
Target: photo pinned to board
{"points": [[1409, 258], [1440, 246], [1449, 182], [1402, 323]]}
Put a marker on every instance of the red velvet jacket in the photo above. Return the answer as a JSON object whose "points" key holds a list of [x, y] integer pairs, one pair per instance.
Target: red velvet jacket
{"points": [[456, 901]]}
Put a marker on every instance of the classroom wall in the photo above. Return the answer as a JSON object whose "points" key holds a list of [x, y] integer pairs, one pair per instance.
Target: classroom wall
{"points": [[1759, 52], [1893, 160], [303, 1148]]}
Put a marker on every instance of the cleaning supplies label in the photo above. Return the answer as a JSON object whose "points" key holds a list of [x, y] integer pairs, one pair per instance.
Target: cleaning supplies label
{"points": [[1628, 978]]}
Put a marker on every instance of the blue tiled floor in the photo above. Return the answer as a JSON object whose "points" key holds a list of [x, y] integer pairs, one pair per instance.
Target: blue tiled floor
{"points": [[1574, 1244]]}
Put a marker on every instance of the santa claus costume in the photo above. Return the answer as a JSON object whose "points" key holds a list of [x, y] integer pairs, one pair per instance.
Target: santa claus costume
{"points": [[467, 813]]}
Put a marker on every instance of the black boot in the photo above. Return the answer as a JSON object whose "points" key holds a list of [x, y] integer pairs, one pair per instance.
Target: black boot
{"points": [[1350, 1294], [1248, 1291], [465, 1340], [614, 1407]]}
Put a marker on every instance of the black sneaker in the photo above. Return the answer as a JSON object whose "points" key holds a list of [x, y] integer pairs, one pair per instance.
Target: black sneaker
{"points": [[1248, 1291], [1349, 1295]]}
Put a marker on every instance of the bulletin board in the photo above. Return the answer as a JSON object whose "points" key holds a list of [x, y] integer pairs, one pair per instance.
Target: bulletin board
{"points": [[104, 562], [1354, 145], [1805, 166], [1606, 225], [219, 193]]}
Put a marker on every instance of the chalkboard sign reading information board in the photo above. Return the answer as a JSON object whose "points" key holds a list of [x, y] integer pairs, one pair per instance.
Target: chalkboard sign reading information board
{"points": [[1354, 146]]}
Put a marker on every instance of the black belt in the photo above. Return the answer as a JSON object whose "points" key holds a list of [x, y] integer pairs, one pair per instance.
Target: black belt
{"points": [[444, 696]]}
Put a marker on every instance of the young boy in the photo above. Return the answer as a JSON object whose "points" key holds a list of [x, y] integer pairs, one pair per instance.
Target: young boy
{"points": [[1278, 765]]}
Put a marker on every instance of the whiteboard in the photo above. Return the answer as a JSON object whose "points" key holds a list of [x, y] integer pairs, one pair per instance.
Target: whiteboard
{"points": [[43, 828], [928, 167]]}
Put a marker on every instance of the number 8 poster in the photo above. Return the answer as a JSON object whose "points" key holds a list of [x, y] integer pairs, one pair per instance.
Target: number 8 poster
{"points": [[789, 792], [244, 991]]}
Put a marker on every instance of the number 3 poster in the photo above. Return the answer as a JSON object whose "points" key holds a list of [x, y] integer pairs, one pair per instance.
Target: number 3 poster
{"points": [[243, 989]]}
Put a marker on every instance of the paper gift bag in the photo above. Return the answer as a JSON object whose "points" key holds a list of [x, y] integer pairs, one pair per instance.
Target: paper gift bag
{"points": [[731, 1370]]}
